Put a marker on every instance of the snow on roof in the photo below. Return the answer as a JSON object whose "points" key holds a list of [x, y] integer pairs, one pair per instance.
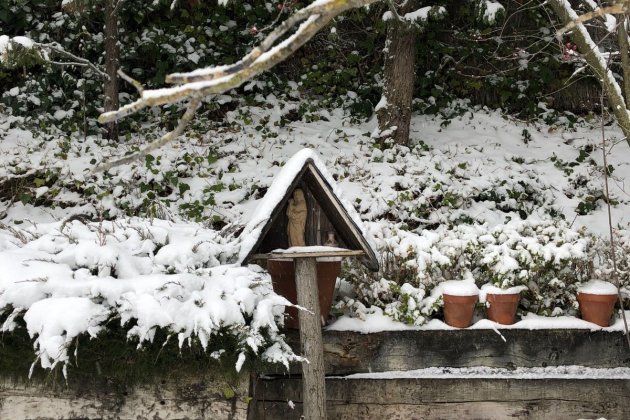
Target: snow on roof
{"points": [[279, 189]]}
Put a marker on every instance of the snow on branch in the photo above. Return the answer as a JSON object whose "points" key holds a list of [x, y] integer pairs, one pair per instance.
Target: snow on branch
{"points": [[417, 17], [603, 12], [215, 80], [9, 46]]}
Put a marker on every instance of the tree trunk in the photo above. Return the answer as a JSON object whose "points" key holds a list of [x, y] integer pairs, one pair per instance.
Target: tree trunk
{"points": [[111, 66], [394, 115], [313, 380]]}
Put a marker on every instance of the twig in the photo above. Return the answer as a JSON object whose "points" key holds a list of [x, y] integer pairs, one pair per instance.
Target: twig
{"points": [[117, 7], [610, 226], [78, 61], [186, 118], [136, 84], [615, 9], [392, 8]]}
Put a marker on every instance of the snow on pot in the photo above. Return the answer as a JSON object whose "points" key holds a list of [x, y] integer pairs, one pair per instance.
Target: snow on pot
{"points": [[597, 299], [460, 298], [501, 304]]}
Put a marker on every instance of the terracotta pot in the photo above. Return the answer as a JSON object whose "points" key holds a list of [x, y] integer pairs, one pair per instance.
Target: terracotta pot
{"points": [[283, 279], [501, 308], [596, 308], [458, 310]]}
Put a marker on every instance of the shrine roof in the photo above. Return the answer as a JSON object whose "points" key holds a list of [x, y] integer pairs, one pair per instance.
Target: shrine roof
{"points": [[306, 165]]}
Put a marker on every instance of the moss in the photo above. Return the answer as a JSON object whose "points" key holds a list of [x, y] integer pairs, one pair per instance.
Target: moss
{"points": [[111, 363]]}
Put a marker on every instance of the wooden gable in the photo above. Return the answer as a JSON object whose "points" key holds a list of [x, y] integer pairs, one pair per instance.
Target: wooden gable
{"points": [[325, 214]]}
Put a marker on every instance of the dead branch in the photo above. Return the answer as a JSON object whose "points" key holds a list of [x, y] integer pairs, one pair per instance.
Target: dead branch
{"points": [[195, 85]]}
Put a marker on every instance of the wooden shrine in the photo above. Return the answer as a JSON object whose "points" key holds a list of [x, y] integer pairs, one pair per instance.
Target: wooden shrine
{"points": [[303, 230], [328, 221]]}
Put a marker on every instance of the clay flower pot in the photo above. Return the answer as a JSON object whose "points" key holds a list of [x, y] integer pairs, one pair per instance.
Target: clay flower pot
{"points": [[501, 308], [597, 299], [283, 280], [458, 310], [597, 309]]}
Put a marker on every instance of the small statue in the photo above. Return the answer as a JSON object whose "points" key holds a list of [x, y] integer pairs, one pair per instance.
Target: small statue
{"points": [[296, 213], [331, 240]]}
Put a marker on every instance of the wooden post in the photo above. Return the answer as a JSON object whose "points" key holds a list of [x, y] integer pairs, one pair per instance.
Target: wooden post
{"points": [[313, 380]]}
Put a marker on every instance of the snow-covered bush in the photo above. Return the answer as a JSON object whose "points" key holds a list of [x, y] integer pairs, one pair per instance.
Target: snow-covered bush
{"points": [[411, 266], [69, 279], [548, 257], [605, 267]]}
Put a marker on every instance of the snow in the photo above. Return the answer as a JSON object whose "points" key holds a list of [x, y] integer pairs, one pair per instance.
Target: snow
{"points": [[308, 249], [71, 279], [417, 16], [372, 323], [490, 288], [377, 321], [491, 11], [458, 288], [6, 41], [158, 272], [486, 372], [598, 287], [382, 104]]}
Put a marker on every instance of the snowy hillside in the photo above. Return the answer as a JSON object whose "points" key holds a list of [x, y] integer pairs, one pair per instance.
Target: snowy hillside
{"points": [[480, 196]]}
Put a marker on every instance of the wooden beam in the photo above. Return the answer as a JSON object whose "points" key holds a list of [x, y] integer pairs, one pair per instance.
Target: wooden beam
{"points": [[313, 381], [296, 255], [348, 352], [408, 398]]}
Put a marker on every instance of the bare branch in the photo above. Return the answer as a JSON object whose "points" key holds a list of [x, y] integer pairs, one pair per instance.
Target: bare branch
{"points": [[333, 7], [117, 7], [77, 61], [392, 8], [131, 81], [193, 105], [615, 9], [596, 62], [262, 58]]}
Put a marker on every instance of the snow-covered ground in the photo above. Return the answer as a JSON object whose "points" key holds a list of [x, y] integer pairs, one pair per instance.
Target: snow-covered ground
{"points": [[519, 192]]}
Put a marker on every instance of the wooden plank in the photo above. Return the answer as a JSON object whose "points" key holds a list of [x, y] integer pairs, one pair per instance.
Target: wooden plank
{"points": [[351, 352], [311, 339], [315, 254], [452, 398]]}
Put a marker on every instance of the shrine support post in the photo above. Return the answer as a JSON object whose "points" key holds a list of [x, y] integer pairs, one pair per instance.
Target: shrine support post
{"points": [[313, 376]]}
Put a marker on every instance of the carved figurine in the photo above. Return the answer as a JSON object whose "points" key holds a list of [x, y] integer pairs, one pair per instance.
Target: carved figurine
{"points": [[296, 213]]}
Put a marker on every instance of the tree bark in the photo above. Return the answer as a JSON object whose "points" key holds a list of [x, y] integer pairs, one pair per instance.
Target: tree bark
{"points": [[624, 51], [313, 380], [111, 67], [394, 117]]}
